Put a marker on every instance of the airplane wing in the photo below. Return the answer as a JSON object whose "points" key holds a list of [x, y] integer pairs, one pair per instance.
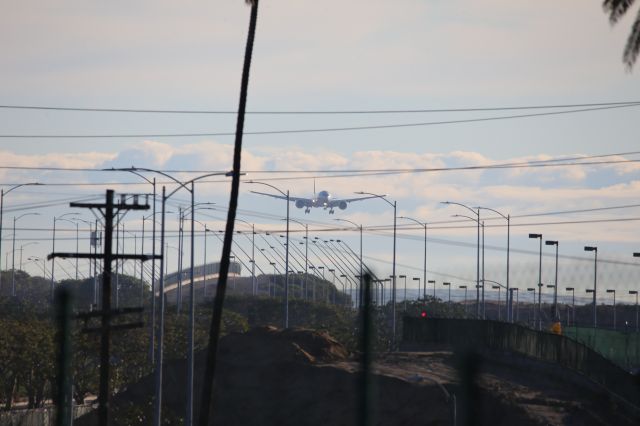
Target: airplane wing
{"points": [[336, 203], [306, 201]]}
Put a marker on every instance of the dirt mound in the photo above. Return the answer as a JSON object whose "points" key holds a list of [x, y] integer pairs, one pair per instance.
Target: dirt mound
{"points": [[269, 345]]}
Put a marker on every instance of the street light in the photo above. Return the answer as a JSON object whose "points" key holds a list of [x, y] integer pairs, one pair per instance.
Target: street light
{"points": [[13, 252], [636, 293], [424, 268], [361, 273], [425, 288], [590, 290], [253, 256], [405, 290], [497, 287], [393, 283], [286, 266], [573, 303], [2, 194], [595, 281], [53, 239], [22, 248], [539, 236], [35, 260], [478, 285], [434, 288], [464, 287], [477, 213], [555, 286], [614, 306], [508, 219], [533, 306], [517, 290], [157, 411], [446, 284]]}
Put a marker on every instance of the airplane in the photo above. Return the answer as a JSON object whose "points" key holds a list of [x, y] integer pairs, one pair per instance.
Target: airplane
{"points": [[322, 199]]}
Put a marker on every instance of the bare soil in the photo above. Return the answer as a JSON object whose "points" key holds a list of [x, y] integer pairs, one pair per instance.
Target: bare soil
{"points": [[303, 377]]}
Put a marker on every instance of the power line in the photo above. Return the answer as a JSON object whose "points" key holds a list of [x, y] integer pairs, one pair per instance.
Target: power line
{"points": [[528, 164], [317, 130], [311, 112]]}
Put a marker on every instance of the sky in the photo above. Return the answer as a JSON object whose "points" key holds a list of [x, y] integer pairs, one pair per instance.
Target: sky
{"points": [[338, 56]]}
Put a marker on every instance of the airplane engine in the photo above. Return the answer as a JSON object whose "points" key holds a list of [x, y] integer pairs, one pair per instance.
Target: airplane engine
{"points": [[299, 204], [342, 205]]}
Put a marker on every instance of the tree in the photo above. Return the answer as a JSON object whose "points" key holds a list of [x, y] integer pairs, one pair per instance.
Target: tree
{"points": [[616, 10]]}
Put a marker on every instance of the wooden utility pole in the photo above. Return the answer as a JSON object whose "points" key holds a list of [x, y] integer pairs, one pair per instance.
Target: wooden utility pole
{"points": [[109, 211]]}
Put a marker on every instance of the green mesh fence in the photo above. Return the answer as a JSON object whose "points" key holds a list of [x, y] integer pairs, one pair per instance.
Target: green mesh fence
{"points": [[621, 347]]}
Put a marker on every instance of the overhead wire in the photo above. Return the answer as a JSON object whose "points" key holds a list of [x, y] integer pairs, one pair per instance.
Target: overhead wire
{"points": [[299, 112], [316, 130]]}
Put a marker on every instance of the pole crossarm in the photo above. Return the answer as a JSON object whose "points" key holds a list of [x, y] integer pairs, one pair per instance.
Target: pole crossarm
{"points": [[115, 206], [142, 257]]}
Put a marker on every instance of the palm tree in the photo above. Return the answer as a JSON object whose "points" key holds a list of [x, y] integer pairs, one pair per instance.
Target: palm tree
{"points": [[206, 404], [616, 10]]}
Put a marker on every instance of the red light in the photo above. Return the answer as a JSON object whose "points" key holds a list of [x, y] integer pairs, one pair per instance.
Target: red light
{"points": [[423, 314]]}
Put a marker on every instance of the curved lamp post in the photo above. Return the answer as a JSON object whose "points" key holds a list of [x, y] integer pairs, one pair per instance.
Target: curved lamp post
{"points": [[595, 281], [393, 282], [286, 266], [2, 194], [508, 219], [539, 236], [189, 186], [424, 268], [13, 252], [477, 220], [360, 293], [478, 286], [22, 248]]}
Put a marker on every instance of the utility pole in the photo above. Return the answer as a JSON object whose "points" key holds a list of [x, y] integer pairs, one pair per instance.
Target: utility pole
{"points": [[109, 211]]}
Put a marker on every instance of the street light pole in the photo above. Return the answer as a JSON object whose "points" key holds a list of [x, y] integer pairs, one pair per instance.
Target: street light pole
{"points": [[13, 253], [434, 288], [253, 255], [405, 291], [555, 290], [2, 194], [22, 248], [497, 287], [478, 286], [157, 419], [533, 306], [424, 267], [464, 287], [446, 284], [539, 236], [286, 267], [614, 306], [573, 304], [595, 282], [508, 219], [477, 213], [636, 293], [360, 293], [420, 288], [393, 283]]}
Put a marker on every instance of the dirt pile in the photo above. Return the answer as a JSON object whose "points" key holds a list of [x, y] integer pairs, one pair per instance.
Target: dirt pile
{"points": [[269, 345]]}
